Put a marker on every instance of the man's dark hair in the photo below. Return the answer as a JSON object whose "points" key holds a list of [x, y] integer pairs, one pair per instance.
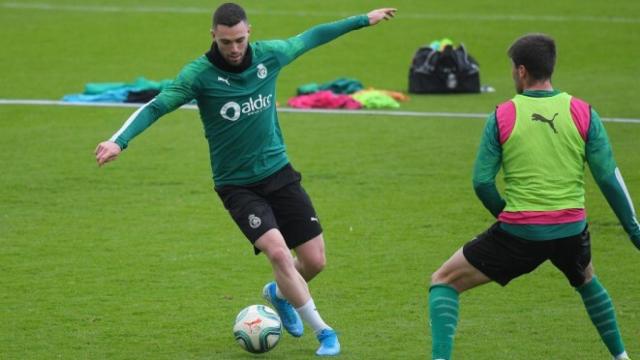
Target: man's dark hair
{"points": [[229, 14], [537, 52]]}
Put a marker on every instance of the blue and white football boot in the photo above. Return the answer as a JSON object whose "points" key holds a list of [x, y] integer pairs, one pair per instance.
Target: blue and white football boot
{"points": [[329, 344], [289, 316]]}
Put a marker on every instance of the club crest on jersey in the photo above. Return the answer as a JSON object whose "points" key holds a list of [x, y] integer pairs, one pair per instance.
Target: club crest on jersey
{"points": [[262, 71], [254, 221]]}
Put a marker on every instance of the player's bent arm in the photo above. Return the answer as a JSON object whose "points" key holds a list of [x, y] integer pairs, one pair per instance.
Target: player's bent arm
{"points": [[490, 197], [614, 190], [486, 167], [609, 179]]}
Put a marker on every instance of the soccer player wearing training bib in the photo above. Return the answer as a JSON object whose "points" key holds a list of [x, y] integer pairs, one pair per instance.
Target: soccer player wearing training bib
{"points": [[541, 139], [234, 87]]}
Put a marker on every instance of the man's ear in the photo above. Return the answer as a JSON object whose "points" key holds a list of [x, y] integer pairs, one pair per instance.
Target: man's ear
{"points": [[522, 72], [213, 33]]}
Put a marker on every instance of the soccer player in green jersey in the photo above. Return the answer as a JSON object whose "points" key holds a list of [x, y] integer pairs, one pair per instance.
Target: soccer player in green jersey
{"points": [[541, 139], [234, 87]]}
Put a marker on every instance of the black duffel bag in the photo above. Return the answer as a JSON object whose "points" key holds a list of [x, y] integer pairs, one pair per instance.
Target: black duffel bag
{"points": [[451, 70]]}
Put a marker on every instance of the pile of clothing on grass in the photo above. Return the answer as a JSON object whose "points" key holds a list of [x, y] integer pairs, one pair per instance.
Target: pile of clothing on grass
{"points": [[345, 93], [141, 90], [341, 93]]}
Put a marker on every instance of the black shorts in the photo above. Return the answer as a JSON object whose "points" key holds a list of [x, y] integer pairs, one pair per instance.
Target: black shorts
{"points": [[276, 202], [503, 257]]}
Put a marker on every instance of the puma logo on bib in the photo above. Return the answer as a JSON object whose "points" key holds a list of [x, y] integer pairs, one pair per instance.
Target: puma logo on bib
{"points": [[538, 117]]}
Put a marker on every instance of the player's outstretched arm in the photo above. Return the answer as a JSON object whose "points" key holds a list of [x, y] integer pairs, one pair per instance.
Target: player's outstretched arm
{"points": [[178, 93], [376, 16], [107, 151], [321, 34]]}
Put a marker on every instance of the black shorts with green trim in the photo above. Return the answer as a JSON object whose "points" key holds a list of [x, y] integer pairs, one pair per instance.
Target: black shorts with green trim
{"points": [[277, 202], [503, 257]]}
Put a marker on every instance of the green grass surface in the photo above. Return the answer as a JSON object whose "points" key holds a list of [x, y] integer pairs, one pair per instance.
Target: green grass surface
{"points": [[139, 260]]}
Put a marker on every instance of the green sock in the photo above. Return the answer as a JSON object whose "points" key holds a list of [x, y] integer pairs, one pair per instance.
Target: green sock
{"points": [[443, 317], [600, 309]]}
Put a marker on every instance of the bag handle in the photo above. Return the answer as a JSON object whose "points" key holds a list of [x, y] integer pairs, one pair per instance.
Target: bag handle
{"points": [[427, 67]]}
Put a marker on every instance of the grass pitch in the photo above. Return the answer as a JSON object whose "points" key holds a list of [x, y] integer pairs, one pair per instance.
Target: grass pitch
{"points": [[139, 260]]}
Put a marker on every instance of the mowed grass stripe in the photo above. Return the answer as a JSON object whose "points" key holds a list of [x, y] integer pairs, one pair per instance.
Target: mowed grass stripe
{"points": [[286, 13]]}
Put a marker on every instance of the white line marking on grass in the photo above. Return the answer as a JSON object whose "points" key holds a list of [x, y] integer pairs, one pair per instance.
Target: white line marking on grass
{"points": [[432, 114], [432, 16], [66, 103], [107, 9]]}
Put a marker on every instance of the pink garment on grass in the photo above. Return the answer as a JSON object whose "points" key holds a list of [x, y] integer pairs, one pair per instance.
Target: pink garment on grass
{"points": [[324, 100]]}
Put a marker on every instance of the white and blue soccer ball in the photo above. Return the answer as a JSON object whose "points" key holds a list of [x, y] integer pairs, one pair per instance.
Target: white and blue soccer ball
{"points": [[257, 329]]}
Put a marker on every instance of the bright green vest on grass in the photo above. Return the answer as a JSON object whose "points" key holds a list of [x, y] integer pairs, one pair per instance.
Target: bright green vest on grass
{"points": [[543, 158]]}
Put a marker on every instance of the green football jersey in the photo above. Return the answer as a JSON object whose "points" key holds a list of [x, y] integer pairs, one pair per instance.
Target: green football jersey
{"points": [[238, 110]]}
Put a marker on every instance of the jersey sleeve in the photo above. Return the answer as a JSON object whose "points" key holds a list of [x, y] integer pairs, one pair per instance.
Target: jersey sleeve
{"points": [[290, 49], [487, 166], [181, 91], [609, 179]]}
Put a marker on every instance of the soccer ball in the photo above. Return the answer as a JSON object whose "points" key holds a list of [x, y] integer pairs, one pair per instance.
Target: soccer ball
{"points": [[257, 329]]}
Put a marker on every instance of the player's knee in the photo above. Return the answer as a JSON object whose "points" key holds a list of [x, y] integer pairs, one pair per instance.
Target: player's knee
{"points": [[316, 264], [589, 270], [588, 274], [280, 257], [438, 277]]}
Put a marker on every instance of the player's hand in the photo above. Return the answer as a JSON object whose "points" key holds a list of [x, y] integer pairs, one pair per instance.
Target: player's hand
{"points": [[107, 151], [378, 15]]}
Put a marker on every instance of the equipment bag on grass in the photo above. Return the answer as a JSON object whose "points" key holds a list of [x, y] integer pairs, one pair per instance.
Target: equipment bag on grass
{"points": [[451, 70]]}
